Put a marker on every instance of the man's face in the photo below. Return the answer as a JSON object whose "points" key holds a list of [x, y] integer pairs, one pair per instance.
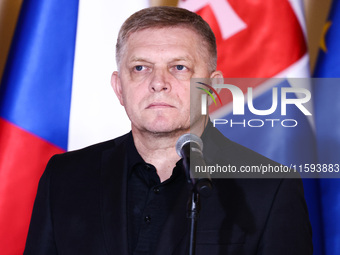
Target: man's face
{"points": [[153, 83]]}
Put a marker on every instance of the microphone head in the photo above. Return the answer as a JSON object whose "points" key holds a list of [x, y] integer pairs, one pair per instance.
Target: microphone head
{"points": [[188, 138]]}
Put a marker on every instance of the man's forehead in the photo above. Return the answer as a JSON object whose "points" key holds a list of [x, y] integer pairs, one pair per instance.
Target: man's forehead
{"points": [[157, 28], [186, 32], [181, 39]]}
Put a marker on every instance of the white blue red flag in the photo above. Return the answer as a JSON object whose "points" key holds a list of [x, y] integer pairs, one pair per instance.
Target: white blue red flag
{"points": [[34, 109], [265, 39], [55, 96]]}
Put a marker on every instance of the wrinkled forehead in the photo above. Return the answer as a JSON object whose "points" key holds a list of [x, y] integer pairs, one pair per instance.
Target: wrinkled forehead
{"points": [[165, 38], [156, 27], [183, 32]]}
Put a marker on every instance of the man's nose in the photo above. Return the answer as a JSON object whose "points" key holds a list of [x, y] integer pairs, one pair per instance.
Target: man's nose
{"points": [[160, 81]]}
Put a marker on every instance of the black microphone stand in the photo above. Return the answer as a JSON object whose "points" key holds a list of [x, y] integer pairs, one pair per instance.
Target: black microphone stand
{"points": [[189, 147], [193, 213], [198, 186]]}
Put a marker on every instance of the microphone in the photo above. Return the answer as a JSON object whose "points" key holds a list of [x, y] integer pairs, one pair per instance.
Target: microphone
{"points": [[189, 147]]}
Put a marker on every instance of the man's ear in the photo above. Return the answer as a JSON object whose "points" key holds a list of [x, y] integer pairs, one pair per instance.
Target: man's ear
{"points": [[216, 78], [117, 87]]}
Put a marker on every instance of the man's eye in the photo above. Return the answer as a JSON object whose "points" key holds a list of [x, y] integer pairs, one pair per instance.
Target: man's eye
{"points": [[180, 67], [139, 68]]}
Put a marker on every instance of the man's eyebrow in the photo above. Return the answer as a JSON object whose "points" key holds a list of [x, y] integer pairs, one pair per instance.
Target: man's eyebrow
{"points": [[137, 59], [142, 59], [179, 60], [184, 58]]}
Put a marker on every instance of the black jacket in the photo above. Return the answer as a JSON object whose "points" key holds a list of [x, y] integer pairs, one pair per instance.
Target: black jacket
{"points": [[80, 207]]}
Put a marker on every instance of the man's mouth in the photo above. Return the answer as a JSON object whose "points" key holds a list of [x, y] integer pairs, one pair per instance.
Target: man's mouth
{"points": [[157, 105]]}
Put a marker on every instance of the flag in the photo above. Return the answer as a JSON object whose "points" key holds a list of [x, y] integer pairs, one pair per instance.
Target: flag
{"points": [[61, 58], [34, 115], [327, 107], [258, 40]]}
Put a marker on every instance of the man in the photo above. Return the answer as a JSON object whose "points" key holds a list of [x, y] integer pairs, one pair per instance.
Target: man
{"points": [[129, 195]]}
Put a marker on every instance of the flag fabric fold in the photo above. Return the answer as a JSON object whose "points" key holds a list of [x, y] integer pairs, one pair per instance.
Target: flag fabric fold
{"points": [[269, 42], [35, 97], [55, 96], [327, 109]]}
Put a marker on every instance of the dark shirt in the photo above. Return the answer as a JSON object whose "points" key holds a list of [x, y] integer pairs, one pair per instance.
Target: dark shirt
{"points": [[149, 201]]}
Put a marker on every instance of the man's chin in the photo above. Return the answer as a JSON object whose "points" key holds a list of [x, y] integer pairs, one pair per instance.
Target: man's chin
{"points": [[166, 130]]}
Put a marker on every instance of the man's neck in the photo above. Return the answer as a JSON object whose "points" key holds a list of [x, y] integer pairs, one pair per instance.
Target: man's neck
{"points": [[158, 150]]}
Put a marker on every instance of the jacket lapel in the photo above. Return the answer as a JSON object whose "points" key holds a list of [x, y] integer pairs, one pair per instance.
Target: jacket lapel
{"points": [[113, 199]]}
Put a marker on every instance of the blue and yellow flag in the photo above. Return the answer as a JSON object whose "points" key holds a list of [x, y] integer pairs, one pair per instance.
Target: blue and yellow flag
{"points": [[327, 109]]}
